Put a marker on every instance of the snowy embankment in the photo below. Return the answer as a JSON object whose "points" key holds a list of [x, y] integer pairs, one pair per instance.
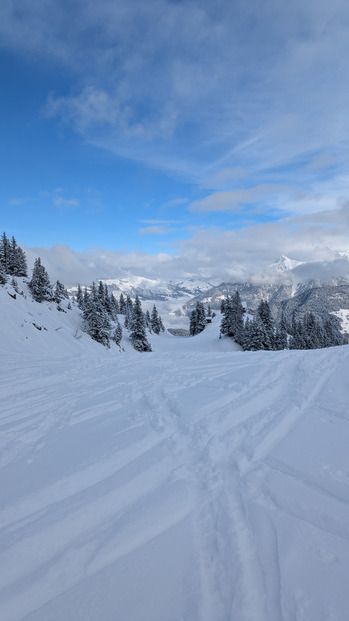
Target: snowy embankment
{"points": [[183, 484]]}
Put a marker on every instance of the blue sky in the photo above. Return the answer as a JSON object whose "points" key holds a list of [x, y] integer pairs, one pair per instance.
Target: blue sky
{"points": [[204, 137]]}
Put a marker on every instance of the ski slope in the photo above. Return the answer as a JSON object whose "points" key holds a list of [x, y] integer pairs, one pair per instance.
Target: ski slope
{"points": [[193, 483]]}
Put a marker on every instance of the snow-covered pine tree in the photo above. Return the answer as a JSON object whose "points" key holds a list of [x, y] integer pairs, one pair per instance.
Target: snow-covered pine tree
{"points": [[4, 253], [225, 310], [40, 285], [60, 292], [96, 321], [122, 304], [297, 340], [253, 338], [108, 302], [114, 305], [267, 325], [192, 323], [332, 335], [280, 340], [128, 312], [155, 321], [200, 317], [101, 292], [117, 334], [232, 323], [197, 319], [148, 321], [313, 335], [138, 334], [17, 265], [85, 297], [79, 298], [3, 277]]}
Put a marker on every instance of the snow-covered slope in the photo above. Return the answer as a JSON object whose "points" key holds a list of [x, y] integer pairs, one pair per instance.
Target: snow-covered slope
{"points": [[188, 483]]}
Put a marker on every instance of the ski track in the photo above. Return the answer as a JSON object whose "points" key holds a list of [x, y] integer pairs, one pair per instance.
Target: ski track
{"points": [[181, 437]]}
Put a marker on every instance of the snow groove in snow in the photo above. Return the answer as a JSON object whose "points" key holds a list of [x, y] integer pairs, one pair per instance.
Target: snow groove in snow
{"points": [[187, 485]]}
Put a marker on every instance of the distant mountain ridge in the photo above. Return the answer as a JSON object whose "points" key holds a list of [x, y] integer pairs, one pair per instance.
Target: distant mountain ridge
{"points": [[290, 292], [289, 285]]}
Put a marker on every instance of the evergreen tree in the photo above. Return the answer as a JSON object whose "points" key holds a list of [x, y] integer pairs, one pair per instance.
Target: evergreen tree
{"points": [[12, 258], [4, 253], [148, 321], [96, 321], [138, 335], [108, 302], [3, 277], [128, 312], [79, 298], [60, 292], [101, 291], [155, 321], [225, 310], [192, 323], [17, 262], [122, 304], [280, 341], [266, 325], [197, 319], [232, 323], [297, 340], [85, 298], [40, 283], [253, 338], [117, 334], [114, 304], [332, 335], [200, 317]]}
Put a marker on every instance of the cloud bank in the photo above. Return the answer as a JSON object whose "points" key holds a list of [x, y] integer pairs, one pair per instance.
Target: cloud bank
{"points": [[215, 254]]}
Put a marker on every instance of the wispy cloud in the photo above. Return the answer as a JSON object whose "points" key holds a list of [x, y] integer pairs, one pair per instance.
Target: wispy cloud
{"points": [[234, 200], [16, 202], [66, 202], [249, 105], [152, 230], [213, 253], [175, 202]]}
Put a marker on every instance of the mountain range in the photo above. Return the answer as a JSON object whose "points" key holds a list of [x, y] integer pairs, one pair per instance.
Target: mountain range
{"points": [[287, 284]]}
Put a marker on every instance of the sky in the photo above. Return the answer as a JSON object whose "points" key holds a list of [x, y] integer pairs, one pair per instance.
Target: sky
{"points": [[175, 137]]}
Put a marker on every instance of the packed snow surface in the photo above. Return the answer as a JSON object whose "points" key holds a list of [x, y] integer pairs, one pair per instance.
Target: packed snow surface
{"points": [[193, 483]]}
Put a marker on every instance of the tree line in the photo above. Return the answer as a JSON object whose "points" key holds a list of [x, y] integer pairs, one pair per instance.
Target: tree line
{"points": [[261, 331], [13, 263], [100, 309]]}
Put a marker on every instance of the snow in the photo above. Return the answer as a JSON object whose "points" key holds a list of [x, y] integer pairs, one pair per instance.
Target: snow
{"points": [[194, 483], [284, 264], [343, 316]]}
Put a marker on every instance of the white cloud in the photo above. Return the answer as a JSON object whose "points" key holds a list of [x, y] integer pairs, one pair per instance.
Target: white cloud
{"points": [[214, 253], [224, 177], [228, 96], [66, 202], [152, 230], [234, 200], [175, 202]]}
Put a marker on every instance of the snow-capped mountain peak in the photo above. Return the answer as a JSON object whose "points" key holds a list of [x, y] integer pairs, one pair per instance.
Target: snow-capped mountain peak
{"points": [[284, 264]]}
